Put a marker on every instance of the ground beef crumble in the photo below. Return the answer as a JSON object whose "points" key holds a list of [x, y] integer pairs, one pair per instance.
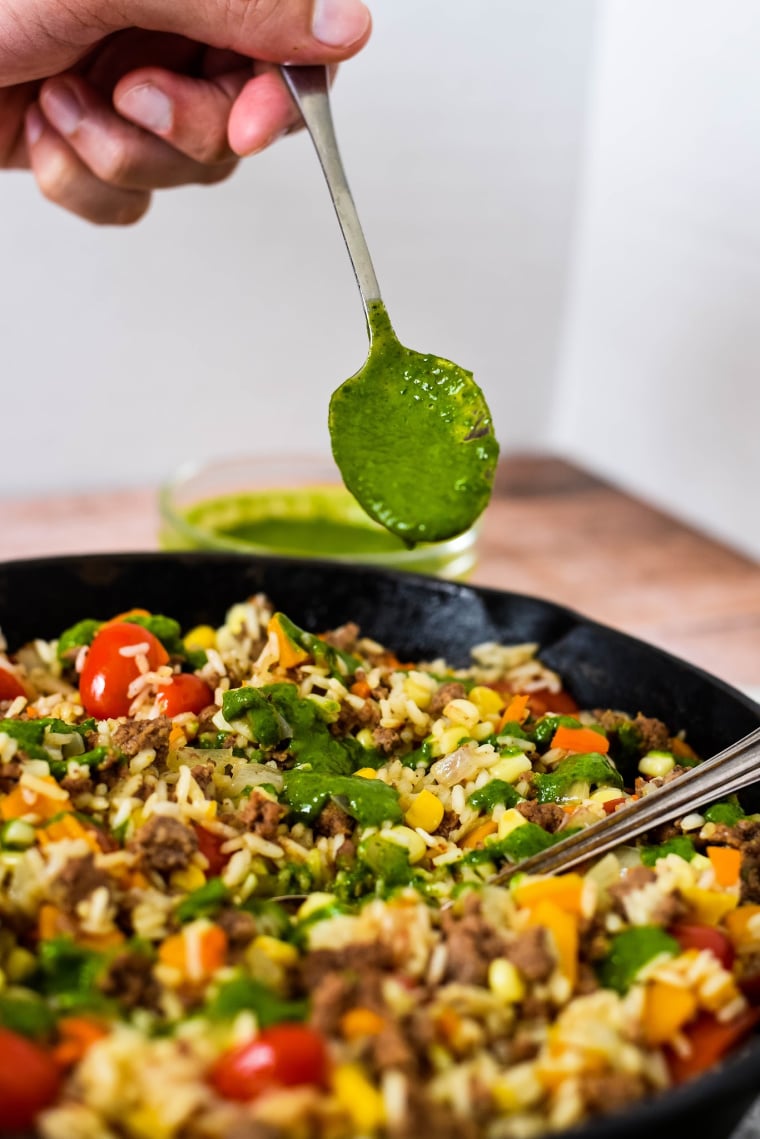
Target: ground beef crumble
{"points": [[262, 815], [135, 735], [471, 943], [164, 845]]}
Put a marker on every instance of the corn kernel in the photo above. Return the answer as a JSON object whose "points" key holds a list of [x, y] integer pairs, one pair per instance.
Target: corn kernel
{"points": [[606, 795], [657, 763], [510, 768], [406, 837], [313, 904], [462, 712], [481, 731], [504, 981], [278, 951], [450, 739], [418, 693], [510, 821], [487, 700], [366, 773], [201, 637], [188, 880], [426, 811], [517, 1088], [366, 739], [361, 1102]]}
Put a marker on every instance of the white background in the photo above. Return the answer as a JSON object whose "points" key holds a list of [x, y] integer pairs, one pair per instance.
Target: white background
{"points": [[560, 194]]}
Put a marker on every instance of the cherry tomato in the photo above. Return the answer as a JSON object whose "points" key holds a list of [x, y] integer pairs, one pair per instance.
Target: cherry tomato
{"points": [[696, 936], [709, 1041], [283, 1056], [209, 844], [29, 1082], [10, 685], [107, 673], [185, 693]]}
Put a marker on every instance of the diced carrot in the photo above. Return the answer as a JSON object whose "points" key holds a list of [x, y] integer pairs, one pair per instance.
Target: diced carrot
{"points": [[611, 805], [580, 739], [666, 1009], [475, 839], [291, 654], [358, 1022], [564, 890], [361, 688], [77, 1036], [726, 863], [68, 826], [738, 927], [563, 928], [516, 711]]}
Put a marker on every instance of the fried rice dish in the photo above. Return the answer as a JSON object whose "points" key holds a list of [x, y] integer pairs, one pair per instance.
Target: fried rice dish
{"points": [[244, 892]]}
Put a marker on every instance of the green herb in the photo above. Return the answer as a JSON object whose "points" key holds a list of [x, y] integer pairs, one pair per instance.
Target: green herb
{"points": [[59, 767], [339, 663], [31, 734], [493, 793], [630, 951], [681, 845], [591, 769], [512, 730], [387, 860], [269, 728], [271, 918], [69, 974], [75, 637], [169, 633], [204, 902], [728, 812], [520, 843], [25, 1012], [243, 993], [369, 801], [420, 757]]}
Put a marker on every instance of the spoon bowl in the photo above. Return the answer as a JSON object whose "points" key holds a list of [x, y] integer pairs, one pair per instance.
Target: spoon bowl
{"points": [[411, 432]]}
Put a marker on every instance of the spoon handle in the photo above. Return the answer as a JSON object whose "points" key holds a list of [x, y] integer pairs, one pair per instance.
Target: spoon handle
{"points": [[310, 91]]}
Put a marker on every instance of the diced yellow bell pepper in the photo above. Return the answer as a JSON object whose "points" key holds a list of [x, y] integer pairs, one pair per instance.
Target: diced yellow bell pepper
{"points": [[666, 1009], [565, 890], [563, 928], [709, 906], [201, 637], [359, 1099]]}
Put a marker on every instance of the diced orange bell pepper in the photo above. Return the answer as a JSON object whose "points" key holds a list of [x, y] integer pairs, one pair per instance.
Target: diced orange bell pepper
{"points": [[361, 688], [52, 923], [563, 927], [211, 952], [291, 654], [580, 740], [726, 863], [22, 800], [564, 890], [737, 925], [666, 1009], [358, 1022]]}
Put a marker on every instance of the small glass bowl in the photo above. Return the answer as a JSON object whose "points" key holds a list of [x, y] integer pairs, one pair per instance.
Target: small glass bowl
{"points": [[295, 507]]}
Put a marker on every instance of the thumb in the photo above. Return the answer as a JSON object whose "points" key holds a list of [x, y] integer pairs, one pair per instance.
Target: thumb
{"points": [[276, 31]]}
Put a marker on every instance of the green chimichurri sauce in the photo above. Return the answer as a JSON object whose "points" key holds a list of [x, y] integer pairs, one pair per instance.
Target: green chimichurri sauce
{"points": [[412, 436], [318, 535]]}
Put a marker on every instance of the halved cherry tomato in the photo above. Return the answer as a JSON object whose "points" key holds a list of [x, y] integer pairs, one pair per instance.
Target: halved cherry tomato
{"points": [[29, 1082], [107, 674], [693, 935], [709, 1041], [283, 1056], [185, 693], [10, 685], [209, 844]]}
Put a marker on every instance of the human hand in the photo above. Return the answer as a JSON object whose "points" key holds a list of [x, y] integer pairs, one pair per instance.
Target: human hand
{"points": [[107, 102]]}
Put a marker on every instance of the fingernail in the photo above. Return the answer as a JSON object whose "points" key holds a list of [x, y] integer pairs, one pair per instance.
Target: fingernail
{"points": [[35, 125], [62, 107], [266, 143], [339, 23], [148, 107]]}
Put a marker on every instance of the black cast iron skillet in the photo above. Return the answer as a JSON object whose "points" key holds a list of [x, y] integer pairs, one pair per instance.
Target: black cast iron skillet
{"points": [[423, 618]]}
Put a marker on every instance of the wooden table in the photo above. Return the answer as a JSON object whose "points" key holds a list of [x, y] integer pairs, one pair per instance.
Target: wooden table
{"points": [[551, 530]]}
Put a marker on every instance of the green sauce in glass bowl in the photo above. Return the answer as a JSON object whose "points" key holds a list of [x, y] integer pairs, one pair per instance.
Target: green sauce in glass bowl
{"points": [[297, 508]]}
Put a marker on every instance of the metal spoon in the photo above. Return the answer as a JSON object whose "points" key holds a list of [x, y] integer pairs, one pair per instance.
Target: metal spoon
{"points": [[411, 433]]}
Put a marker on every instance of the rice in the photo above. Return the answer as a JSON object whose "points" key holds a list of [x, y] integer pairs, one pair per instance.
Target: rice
{"points": [[140, 853]]}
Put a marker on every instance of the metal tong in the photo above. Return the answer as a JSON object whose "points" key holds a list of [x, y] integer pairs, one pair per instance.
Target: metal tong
{"points": [[730, 770]]}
